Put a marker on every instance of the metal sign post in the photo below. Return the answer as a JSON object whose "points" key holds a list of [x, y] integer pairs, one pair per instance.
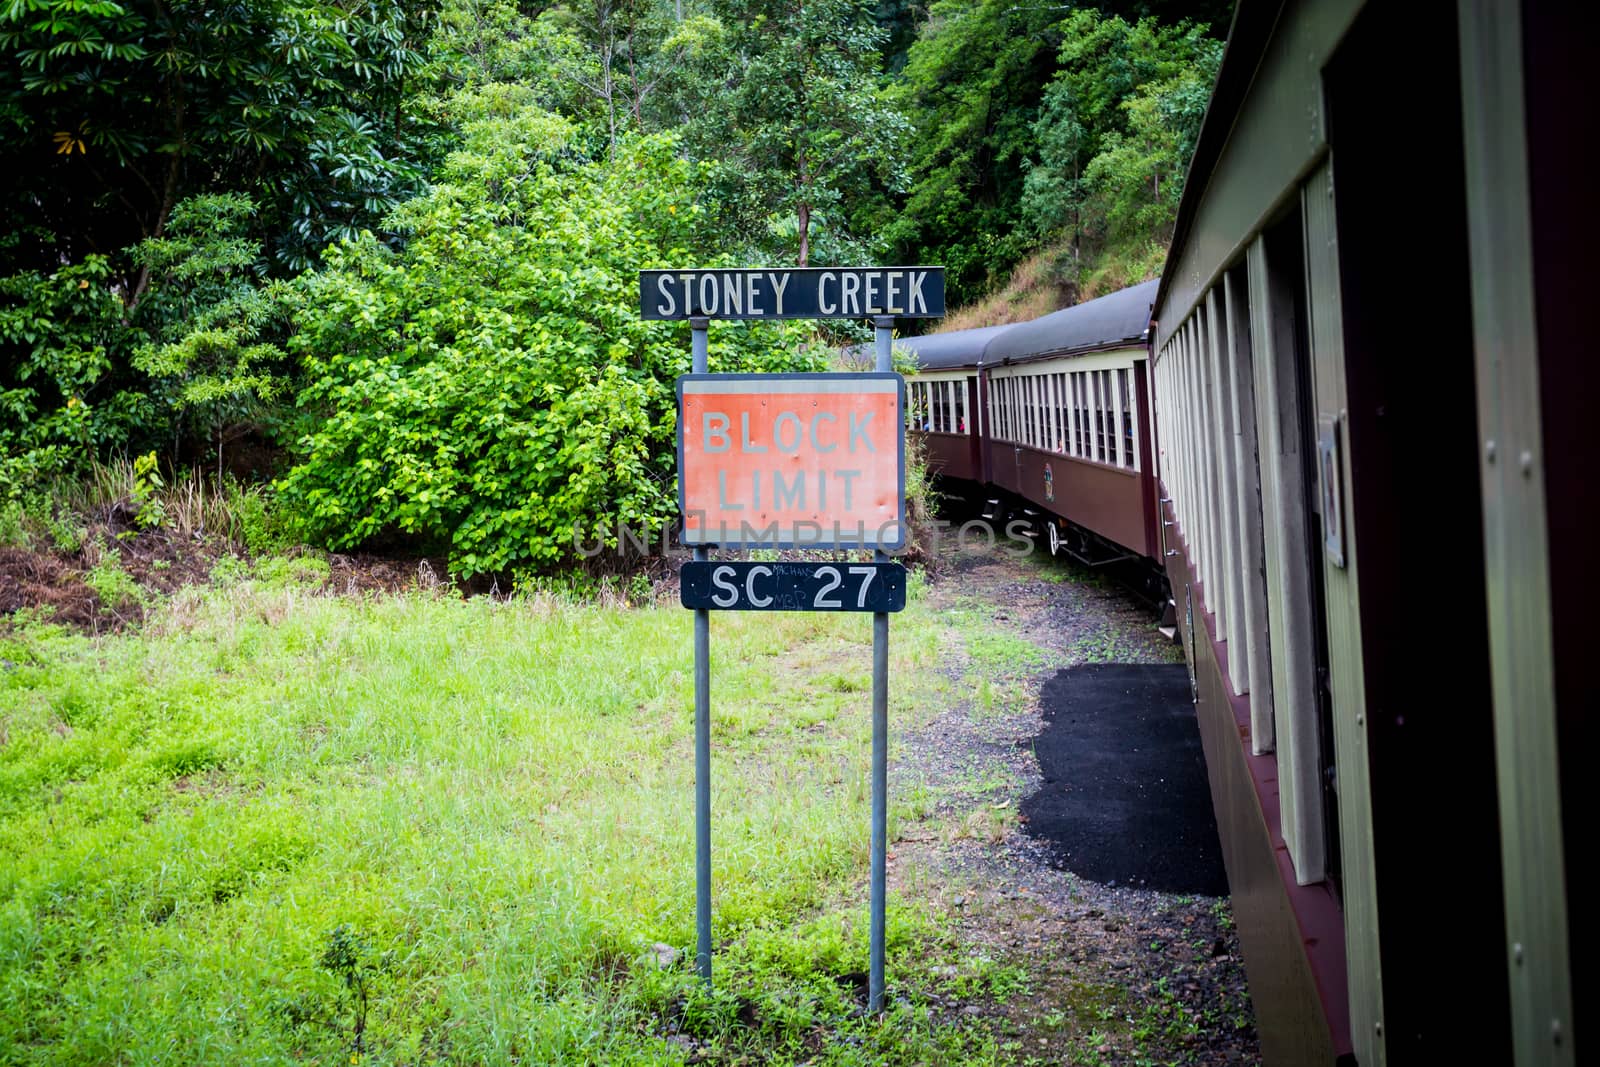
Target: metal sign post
{"points": [[793, 460], [702, 729], [883, 335]]}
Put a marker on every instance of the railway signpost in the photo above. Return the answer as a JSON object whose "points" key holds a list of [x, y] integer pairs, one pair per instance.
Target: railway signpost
{"points": [[786, 586], [787, 461]]}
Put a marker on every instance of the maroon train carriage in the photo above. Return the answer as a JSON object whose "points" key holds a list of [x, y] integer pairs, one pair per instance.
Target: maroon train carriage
{"points": [[1376, 493], [1051, 419], [1349, 455], [942, 400]]}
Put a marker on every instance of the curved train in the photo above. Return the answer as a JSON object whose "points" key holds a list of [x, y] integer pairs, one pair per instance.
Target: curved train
{"points": [[1347, 426], [1054, 415]]}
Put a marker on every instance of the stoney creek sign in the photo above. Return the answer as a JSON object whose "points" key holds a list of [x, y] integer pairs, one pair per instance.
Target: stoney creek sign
{"points": [[792, 293]]}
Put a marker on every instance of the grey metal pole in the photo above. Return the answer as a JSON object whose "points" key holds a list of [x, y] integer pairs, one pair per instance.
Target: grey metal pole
{"points": [[702, 731], [884, 336]]}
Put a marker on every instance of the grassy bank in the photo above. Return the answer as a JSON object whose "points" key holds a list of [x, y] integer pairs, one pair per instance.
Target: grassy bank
{"points": [[273, 826]]}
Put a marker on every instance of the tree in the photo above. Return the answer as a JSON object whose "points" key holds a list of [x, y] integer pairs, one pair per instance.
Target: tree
{"points": [[212, 356], [796, 121], [114, 110], [1117, 128], [62, 400], [489, 388], [971, 89]]}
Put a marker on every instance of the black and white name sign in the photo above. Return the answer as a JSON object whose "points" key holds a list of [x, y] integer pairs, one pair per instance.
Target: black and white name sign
{"points": [[793, 586], [793, 293]]}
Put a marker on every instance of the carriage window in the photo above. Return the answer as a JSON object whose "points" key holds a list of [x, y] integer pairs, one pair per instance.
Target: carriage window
{"points": [[1097, 429], [1019, 389], [1043, 383], [1025, 398], [1016, 408], [1091, 401], [1025, 385], [1061, 411], [1107, 424], [960, 390], [1077, 413], [1029, 411], [1041, 413], [1125, 397], [1033, 410]]}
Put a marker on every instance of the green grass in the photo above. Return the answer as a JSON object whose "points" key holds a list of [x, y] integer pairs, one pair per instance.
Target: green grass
{"points": [[219, 834]]}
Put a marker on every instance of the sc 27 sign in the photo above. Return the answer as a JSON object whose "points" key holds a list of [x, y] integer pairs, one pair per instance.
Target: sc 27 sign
{"points": [[786, 586]]}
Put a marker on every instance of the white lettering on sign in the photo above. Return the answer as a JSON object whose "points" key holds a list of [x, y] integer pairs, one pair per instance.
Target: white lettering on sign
{"points": [[729, 294], [867, 574], [819, 452], [835, 292], [750, 587], [719, 579], [834, 581], [786, 587], [852, 283], [919, 302]]}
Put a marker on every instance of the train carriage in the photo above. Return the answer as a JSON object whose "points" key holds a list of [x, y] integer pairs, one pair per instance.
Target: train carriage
{"points": [[1054, 415], [942, 400], [1335, 421], [1348, 424]]}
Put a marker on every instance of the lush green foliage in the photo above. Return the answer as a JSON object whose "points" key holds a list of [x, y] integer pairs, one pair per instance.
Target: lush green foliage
{"points": [[1034, 121], [1117, 127], [64, 396], [465, 364], [274, 815], [209, 316], [798, 127], [113, 112], [971, 88], [491, 388]]}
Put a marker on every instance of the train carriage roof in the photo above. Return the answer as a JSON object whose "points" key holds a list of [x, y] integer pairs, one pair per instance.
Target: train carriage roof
{"points": [[1117, 319], [958, 348], [1111, 321]]}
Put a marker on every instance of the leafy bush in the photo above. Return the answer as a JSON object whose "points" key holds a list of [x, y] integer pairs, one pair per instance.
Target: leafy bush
{"points": [[207, 314], [490, 387], [64, 392]]}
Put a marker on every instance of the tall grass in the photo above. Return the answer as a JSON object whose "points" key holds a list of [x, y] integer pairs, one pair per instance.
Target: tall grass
{"points": [[191, 505], [486, 806]]}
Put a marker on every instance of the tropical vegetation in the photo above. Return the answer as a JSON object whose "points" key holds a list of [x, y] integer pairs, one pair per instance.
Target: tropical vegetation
{"points": [[379, 258]]}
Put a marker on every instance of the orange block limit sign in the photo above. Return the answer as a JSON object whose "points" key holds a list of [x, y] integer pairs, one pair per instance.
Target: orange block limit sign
{"points": [[792, 460]]}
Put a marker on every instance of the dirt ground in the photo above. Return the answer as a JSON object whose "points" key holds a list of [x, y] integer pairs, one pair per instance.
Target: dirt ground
{"points": [[119, 571], [1119, 974]]}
